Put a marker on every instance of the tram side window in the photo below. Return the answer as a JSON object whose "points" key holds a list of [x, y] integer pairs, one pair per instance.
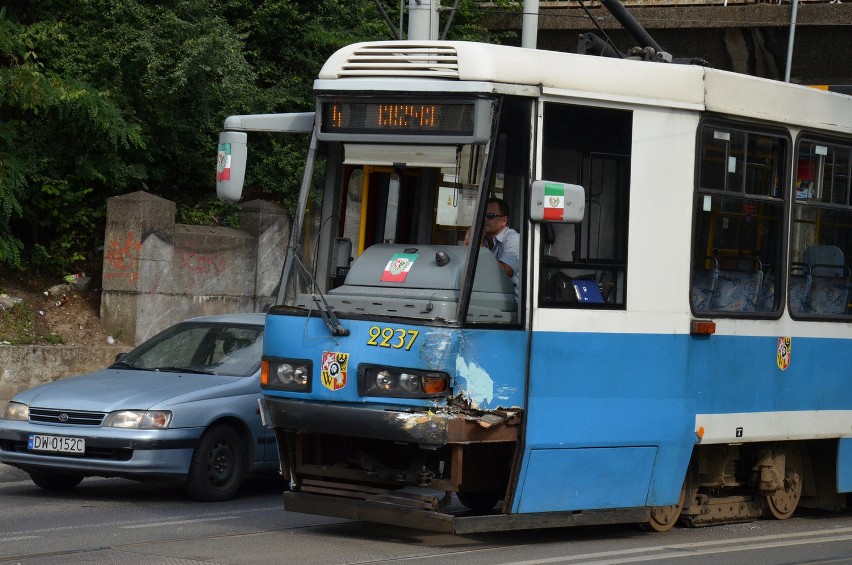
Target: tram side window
{"points": [[509, 178], [738, 221], [821, 235], [590, 147]]}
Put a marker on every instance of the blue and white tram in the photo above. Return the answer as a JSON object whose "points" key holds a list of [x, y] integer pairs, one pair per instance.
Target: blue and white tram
{"points": [[677, 342]]}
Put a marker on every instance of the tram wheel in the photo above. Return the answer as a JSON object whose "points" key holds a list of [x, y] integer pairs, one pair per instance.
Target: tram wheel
{"points": [[479, 502], [663, 518], [781, 504]]}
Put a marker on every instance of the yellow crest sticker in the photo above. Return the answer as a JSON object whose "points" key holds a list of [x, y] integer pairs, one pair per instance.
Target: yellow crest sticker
{"points": [[333, 370], [783, 354]]}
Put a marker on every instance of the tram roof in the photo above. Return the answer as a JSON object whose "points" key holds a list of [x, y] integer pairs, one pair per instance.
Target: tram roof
{"points": [[466, 67]]}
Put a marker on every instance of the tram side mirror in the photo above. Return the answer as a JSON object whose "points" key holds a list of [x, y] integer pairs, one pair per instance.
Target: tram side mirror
{"points": [[552, 201], [231, 165]]}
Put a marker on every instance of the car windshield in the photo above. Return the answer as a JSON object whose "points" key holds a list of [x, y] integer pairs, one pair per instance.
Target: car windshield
{"points": [[200, 347]]}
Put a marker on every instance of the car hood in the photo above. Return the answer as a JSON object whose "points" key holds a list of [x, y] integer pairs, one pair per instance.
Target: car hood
{"points": [[123, 389]]}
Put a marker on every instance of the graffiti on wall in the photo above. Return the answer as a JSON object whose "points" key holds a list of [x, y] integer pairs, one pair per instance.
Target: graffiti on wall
{"points": [[121, 258], [204, 263]]}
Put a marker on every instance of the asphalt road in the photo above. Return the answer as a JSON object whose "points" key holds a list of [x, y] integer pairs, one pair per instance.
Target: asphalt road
{"points": [[124, 522], [10, 474]]}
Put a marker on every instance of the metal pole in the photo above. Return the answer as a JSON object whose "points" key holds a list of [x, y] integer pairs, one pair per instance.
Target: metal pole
{"points": [[423, 20], [529, 29], [629, 23], [396, 32], [790, 43]]}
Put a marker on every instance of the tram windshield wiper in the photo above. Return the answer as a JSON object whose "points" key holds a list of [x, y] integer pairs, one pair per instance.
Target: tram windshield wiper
{"points": [[329, 318]]}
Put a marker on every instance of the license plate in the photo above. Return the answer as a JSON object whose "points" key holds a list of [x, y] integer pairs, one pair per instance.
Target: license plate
{"points": [[59, 444]]}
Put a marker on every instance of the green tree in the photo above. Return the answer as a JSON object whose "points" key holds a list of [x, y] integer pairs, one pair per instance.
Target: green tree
{"points": [[36, 104], [104, 97], [287, 43]]}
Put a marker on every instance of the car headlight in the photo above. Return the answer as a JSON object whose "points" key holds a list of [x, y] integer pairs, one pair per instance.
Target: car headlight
{"points": [[286, 374], [138, 419], [377, 380], [16, 411]]}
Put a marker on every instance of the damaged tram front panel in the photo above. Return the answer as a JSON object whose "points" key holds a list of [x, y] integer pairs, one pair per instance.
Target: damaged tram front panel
{"points": [[405, 355]]}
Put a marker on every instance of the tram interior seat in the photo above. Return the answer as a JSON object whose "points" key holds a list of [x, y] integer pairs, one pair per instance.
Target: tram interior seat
{"points": [[732, 284], [557, 285], [824, 260], [562, 288], [704, 285], [830, 284], [800, 287], [548, 237], [766, 297], [739, 285]]}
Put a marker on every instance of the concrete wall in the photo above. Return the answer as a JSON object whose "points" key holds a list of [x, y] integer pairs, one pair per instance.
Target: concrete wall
{"points": [[23, 367], [157, 272]]}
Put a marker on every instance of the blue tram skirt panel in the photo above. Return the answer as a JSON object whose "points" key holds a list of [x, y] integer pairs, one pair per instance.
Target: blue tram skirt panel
{"points": [[613, 418]]}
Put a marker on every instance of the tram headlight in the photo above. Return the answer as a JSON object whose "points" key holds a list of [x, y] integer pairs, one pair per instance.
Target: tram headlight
{"points": [[410, 383], [384, 380], [285, 374], [374, 380]]}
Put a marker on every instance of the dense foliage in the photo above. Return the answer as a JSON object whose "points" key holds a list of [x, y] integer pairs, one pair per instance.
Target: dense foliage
{"points": [[100, 98]]}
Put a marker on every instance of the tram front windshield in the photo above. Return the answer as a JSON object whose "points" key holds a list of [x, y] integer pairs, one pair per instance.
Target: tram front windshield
{"points": [[390, 237]]}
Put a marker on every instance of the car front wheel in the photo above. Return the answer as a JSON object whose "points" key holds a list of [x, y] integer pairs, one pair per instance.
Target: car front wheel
{"points": [[216, 470], [55, 481]]}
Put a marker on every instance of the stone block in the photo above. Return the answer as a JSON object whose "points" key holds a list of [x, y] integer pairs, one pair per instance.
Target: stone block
{"points": [[214, 261], [157, 273], [138, 236], [271, 226]]}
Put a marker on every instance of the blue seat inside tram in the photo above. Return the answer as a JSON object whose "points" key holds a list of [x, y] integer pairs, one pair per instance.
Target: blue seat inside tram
{"points": [[800, 287], [733, 284], [820, 285], [824, 260], [830, 280], [739, 285], [766, 298], [559, 287], [704, 285]]}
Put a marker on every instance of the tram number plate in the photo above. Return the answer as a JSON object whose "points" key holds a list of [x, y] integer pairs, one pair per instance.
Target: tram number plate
{"points": [[397, 338], [60, 444]]}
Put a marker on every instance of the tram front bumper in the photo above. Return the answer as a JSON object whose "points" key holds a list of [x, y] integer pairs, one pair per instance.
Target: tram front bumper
{"points": [[369, 511], [430, 428], [454, 522]]}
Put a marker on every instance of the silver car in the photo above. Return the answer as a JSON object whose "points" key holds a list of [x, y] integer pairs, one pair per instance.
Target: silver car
{"points": [[183, 405]]}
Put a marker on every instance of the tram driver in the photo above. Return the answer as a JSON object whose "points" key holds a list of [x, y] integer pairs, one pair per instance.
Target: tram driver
{"points": [[503, 241]]}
